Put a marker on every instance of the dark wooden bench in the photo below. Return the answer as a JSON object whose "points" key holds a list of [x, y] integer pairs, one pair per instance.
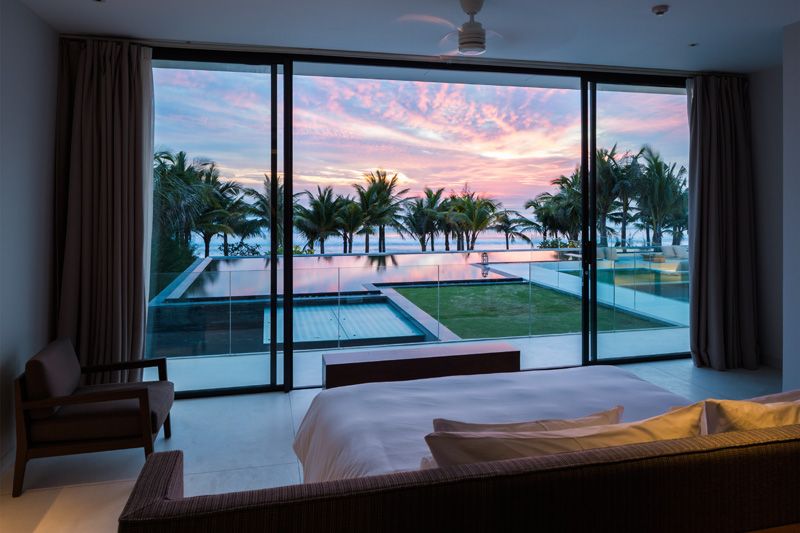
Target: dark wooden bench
{"points": [[404, 363]]}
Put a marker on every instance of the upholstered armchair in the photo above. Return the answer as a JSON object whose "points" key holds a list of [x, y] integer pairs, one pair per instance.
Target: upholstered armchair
{"points": [[56, 415]]}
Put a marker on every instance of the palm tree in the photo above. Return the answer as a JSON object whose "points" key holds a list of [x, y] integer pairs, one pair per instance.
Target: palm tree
{"points": [[607, 173], [434, 208], [261, 222], [350, 219], [451, 221], [388, 202], [678, 219], [658, 191], [217, 196], [544, 213], [177, 197], [630, 172], [237, 217], [512, 225], [560, 212], [478, 214], [368, 202], [318, 221], [415, 221]]}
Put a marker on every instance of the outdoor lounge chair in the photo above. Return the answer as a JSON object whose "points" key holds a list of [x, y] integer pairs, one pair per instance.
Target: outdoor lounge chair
{"points": [[55, 415]]}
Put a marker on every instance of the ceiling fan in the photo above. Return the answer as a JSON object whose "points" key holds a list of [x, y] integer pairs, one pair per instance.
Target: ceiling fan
{"points": [[471, 34]]}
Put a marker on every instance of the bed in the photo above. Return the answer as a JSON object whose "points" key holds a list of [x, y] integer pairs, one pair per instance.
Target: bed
{"points": [[377, 428]]}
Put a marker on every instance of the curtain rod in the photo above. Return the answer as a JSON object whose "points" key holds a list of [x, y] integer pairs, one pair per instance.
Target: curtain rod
{"points": [[433, 60]]}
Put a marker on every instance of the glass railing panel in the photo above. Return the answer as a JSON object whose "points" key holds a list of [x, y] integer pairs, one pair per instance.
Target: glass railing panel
{"points": [[316, 322], [651, 306], [189, 322]]}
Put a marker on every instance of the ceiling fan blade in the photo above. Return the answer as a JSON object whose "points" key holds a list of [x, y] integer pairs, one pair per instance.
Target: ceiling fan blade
{"points": [[449, 40], [426, 19], [491, 34]]}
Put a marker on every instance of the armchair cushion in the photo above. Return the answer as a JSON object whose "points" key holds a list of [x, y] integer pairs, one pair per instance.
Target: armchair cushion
{"points": [[54, 371], [105, 420]]}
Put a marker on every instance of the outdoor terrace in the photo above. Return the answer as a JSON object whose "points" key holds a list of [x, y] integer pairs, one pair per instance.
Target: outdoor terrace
{"points": [[213, 319]]}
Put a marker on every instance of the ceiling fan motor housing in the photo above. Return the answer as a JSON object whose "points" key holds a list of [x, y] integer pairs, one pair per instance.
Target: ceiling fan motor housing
{"points": [[471, 39]]}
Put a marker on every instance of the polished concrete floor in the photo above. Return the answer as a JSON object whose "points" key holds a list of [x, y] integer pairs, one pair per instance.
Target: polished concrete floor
{"points": [[244, 442]]}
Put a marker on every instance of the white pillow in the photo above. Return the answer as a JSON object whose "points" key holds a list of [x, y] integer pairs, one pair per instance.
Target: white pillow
{"points": [[787, 396], [602, 418], [451, 448], [736, 415]]}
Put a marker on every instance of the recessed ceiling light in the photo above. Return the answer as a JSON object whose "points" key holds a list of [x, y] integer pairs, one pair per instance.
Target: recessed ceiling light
{"points": [[660, 10], [692, 45]]}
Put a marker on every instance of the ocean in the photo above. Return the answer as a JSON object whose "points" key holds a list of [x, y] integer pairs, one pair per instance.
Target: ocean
{"points": [[488, 240]]}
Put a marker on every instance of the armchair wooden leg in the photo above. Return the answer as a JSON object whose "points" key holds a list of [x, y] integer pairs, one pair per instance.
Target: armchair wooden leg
{"points": [[167, 428], [19, 472], [148, 448]]}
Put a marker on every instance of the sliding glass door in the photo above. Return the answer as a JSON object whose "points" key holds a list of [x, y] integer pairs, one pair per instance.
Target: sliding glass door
{"points": [[213, 261], [308, 206], [639, 139], [435, 206]]}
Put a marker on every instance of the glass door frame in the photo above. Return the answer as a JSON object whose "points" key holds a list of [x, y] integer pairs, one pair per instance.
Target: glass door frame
{"points": [[589, 83], [589, 78]]}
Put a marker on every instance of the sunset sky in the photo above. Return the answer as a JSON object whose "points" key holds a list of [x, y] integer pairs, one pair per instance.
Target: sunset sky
{"points": [[506, 142]]}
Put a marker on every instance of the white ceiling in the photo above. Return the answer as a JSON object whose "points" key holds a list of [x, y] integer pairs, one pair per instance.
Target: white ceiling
{"points": [[733, 35]]}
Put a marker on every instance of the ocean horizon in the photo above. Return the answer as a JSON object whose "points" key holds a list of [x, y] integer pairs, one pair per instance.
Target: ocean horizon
{"points": [[395, 243]]}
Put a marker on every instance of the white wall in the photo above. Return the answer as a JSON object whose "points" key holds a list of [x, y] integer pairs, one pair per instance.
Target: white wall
{"points": [[28, 63], [791, 207], [766, 90]]}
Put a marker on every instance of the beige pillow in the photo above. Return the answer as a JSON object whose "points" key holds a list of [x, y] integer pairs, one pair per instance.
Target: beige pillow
{"points": [[735, 415], [787, 396], [451, 448], [602, 418]]}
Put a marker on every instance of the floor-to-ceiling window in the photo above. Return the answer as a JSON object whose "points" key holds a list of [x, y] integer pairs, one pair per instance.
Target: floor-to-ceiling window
{"points": [[210, 288], [641, 206], [427, 206], [420, 207]]}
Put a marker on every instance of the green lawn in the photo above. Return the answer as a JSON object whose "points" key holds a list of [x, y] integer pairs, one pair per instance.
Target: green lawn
{"points": [[513, 309]]}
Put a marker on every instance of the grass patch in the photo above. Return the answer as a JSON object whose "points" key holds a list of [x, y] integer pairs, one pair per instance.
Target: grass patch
{"points": [[513, 309]]}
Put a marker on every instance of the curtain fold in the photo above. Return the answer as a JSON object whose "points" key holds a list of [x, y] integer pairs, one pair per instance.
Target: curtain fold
{"points": [[722, 244], [103, 170]]}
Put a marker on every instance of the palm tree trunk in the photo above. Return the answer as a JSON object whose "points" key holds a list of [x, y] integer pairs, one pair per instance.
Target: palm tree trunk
{"points": [[381, 239], [422, 243], [657, 234], [433, 246], [207, 243], [225, 244], [647, 234], [366, 243], [623, 228], [603, 232], [350, 242], [507, 244], [344, 243], [447, 241]]}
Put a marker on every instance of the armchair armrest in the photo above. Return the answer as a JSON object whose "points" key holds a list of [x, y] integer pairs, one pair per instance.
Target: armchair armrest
{"points": [[160, 362], [161, 479], [90, 397]]}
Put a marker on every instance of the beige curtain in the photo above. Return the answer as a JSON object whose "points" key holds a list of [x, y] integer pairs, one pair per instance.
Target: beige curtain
{"points": [[103, 176], [723, 330]]}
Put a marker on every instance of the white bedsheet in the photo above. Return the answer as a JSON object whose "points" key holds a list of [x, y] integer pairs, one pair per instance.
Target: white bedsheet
{"points": [[376, 428]]}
